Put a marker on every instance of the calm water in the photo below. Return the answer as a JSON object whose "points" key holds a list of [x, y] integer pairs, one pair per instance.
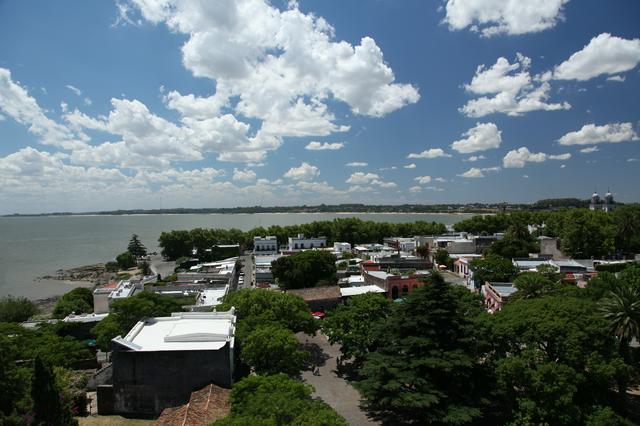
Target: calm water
{"points": [[31, 247]]}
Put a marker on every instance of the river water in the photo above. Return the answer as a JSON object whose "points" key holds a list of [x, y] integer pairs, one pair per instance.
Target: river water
{"points": [[31, 247]]}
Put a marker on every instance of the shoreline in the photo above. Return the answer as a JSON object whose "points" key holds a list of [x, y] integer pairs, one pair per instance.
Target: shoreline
{"points": [[241, 213]]}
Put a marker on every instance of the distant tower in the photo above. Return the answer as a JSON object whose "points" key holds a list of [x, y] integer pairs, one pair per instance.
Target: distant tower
{"points": [[607, 204]]}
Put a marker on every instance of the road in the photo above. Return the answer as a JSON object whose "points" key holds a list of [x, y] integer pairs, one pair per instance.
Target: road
{"points": [[331, 388], [160, 266]]}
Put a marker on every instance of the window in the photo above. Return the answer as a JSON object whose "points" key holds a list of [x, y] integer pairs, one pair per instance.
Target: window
{"points": [[394, 293], [405, 290]]}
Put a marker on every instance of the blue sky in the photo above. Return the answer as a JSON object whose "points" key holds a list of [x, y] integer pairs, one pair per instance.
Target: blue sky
{"points": [[163, 103]]}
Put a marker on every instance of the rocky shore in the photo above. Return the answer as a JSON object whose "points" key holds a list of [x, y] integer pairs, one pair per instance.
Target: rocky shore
{"points": [[96, 274]]}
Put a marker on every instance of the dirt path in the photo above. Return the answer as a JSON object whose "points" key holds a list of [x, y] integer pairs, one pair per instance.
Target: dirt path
{"points": [[333, 390]]}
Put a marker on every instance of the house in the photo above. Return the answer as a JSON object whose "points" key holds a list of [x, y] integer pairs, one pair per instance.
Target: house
{"points": [[162, 360], [402, 244], [205, 406], [550, 247], [529, 264], [357, 290], [341, 248], [497, 294], [301, 243], [569, 266], [263, 272], [319, 298], [266, 245], [394, 285]]}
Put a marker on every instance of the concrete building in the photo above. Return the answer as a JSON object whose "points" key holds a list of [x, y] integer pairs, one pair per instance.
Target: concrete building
{"points": [[265, 246], [569, 266], [162, 360], [550, 247], [402, 244], [606, 204], [263, 274], [363, 289], [301, 243], [209, 298], [319, 298], [395, 286]]}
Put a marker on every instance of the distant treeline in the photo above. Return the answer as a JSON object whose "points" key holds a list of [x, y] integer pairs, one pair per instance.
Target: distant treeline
{"points": [[176, 244], [583, 233], [349, 208]]}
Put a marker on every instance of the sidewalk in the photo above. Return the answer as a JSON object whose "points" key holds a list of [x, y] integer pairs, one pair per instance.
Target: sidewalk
{"points": [[334, 390]]}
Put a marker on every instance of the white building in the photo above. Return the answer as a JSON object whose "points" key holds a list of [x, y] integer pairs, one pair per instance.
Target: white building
{"points": [[103, 296], [301, 243], [266, 245], [606, 204], [341, 248]]}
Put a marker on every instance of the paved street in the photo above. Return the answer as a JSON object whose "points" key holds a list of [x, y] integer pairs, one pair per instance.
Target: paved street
{"points": [[333, 390], [162, 267]]}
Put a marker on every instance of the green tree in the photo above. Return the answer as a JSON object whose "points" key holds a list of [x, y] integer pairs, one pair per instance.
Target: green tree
{"points": [[428, 368], [272, 349], [353, 325], [255, 307], [304, 269], [145, 269], [532, 284], [423, 251], [555, 359], [135, 247], [588, 234], [442, 258], [126, 260], [492, 268], [13, 380], [48, 399], [78, 300], [277, 400], [16, 309], [125, 313]]}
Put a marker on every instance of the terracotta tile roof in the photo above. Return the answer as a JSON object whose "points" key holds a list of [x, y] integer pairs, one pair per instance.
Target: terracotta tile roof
{"points": [[205, 406], [317, 293]]}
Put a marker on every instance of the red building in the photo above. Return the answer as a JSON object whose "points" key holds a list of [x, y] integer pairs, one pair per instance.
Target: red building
{"points": [[395, 286]]}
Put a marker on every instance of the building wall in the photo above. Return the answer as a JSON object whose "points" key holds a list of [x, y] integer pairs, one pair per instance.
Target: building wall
{"points": [[101, 302], [144, 383]]}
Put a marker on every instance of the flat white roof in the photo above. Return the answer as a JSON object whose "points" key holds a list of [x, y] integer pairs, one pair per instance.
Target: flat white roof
{"points": [[211, 296], [355, 279], [379, 274], [182, 331], [354, 291], [123, 290], [85, 317]]}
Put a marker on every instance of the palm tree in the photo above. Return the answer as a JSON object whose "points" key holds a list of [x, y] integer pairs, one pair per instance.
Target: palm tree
{"points": [[622, 309]]}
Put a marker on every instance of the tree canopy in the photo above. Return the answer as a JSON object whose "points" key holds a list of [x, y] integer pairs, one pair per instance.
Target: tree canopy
{"points": [[492, 268], [427, 369], [78, 300], [272, 349], [305, 269], [16, 309], [277, 400], [126, 260]]}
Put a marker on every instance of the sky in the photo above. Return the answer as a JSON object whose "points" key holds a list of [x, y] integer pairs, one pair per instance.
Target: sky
{"points": [[147, 104]]}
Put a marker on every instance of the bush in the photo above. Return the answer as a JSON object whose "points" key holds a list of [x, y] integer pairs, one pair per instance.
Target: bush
{"points": [[126, 260], [16, 309], [78, 300], [613, 267], [111, 266]]}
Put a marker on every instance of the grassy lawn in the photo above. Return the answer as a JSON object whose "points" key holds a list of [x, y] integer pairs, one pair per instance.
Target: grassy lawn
{"points": [[111, 421]]}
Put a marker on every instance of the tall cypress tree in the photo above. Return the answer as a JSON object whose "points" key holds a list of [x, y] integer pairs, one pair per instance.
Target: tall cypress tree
{"points": [[48, 401], [136, 247]]}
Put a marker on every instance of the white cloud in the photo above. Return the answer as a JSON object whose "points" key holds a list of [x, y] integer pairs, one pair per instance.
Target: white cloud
{"points": [[590, 134], [589, 150], [410, 166], [423, 180], [357, 164], [440, 179], [562, 166], [605, 54], [415, 189], [87, 101], [194, 106], [492, 17], [514, 91], [16, 103], [617, 78], [74, 89], [476, 172], [630, 160], [274, 59], [475, 158], [360, 178], [517, 158], [319, 146], [246, 175], [473, 172], [429, 153], [479, 138], [304, 172]]}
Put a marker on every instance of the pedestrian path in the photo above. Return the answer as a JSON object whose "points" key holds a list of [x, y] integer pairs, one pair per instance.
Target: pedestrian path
{"points": [[331, 388]]}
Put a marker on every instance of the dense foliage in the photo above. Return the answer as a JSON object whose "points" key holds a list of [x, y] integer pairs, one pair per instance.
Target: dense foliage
{"points": [[305, 269], [126, 260], [125, 313], [16, 309], [272, 349], [492, 268], [255, 307], [427, 367], [277, 400], [180, 243], [79, 300], [50, 406], [353, 325]]}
